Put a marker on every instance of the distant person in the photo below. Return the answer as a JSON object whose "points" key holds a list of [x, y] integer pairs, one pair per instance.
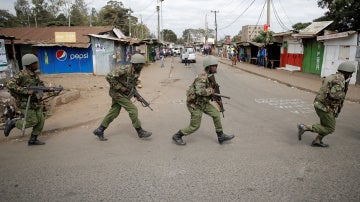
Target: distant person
{"points": [[153, 55], [328, 103], [234, 58], [199, 94], [186, 57], [121, 81], [262, 55], [162, 56]]}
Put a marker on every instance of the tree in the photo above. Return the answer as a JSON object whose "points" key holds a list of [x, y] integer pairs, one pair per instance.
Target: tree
{"points": [[299, 26], [115, 14], [344, 13], [40, 12], [78, 13], [23, 12], [169, 35], [7, 19], [261, 38]]}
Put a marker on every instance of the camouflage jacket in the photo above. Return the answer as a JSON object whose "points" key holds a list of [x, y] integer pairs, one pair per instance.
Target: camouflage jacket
{"points": [[123, 74], [16, 85], [331, 93], [200, 91]]}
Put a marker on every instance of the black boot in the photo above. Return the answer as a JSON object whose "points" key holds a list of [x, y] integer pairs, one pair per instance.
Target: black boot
{"points": [[222, 137], [34, 141], [100, 133], [318, 142], [9, 125], [301, 129], [177, 137], [143, 133]]}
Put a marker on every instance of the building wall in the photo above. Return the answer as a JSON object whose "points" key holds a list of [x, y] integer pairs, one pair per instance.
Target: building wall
{"points": [[54, 60], [249, 32], [313, 56], [337, 51], [292, 52], [104, 55]]}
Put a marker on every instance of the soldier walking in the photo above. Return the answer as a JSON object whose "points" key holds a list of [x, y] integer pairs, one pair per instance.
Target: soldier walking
{"points": [[199, 94], [25, 97], [328, 103], [122, 81]]}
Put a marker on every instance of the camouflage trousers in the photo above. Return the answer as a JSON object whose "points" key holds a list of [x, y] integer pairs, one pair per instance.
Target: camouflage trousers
{"points": [[327, 123], [196, 115], [114, 112], [35, 118]]}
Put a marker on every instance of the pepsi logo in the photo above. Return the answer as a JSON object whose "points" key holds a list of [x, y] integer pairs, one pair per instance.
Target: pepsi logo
{"points": [[61, 55]]}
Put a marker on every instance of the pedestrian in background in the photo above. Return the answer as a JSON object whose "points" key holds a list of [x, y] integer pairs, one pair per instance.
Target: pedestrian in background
{"points": [[162, 56], [121, 81], [153, 55], [199, 94], [17, 86], [186, 57], [328, 103]]}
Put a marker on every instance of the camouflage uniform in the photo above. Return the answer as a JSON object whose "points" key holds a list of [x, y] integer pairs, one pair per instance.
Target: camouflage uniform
{"points": [[327, 103], [124, 77], [127, 75], [35, 117], [199, 95]]}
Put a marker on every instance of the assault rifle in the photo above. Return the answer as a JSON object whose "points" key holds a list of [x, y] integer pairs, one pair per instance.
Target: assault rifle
{"points": [[39, 90], [132, 92], [342, 102], [217, 96]]}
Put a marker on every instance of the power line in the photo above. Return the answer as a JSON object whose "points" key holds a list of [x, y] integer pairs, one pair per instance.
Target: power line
{"points": [[278, 18], [238, 16]]}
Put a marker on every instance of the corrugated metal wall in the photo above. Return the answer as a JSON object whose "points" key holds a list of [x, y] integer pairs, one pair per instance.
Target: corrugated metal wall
{"points": [[54, 60], [313, 56]]}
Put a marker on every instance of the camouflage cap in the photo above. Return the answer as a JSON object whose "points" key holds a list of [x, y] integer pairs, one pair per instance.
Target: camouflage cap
{"points": [[137, 58], [347, 67], [28, 59]]}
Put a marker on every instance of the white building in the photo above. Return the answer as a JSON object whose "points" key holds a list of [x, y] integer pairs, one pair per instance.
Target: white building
{"points": [[339, 47]]}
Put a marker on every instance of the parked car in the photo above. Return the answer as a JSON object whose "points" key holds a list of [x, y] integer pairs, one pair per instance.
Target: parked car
{"points": [[191, 52], [176, 51]]}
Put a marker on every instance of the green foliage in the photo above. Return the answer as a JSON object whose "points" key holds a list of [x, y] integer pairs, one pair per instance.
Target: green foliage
{"points": [[261, 38], [344, 13], [6, 19], [169, 35], [299, 26], [236, 38]]}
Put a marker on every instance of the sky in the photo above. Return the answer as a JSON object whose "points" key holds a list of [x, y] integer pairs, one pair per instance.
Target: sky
{"points": [[231, 15]]}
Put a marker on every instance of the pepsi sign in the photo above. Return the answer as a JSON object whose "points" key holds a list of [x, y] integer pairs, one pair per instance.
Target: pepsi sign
{"points": [[61, 55]]}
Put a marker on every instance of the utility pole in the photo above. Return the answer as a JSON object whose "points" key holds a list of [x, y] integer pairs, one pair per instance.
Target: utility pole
{"points": [[215, 27], [158, 27], [268, 22]]}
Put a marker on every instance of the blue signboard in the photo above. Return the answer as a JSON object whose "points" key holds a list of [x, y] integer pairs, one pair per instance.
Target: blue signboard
{"points": [[54, 60]]}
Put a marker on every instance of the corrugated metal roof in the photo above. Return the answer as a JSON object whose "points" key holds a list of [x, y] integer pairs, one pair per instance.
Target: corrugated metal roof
{"points": [[335, 36], [46, 35], [313, 29]]}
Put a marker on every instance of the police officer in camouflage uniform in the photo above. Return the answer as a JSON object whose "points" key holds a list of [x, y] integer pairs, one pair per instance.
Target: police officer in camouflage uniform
{"points": [[16, 85], [199, 95], [328, 103], [121, 81]]}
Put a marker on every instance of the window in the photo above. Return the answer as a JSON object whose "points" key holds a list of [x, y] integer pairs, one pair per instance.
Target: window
{"points": [[344, 53]]}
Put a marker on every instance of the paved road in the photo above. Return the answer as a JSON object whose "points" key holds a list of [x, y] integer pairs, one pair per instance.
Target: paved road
{"points": [[265, 161]]}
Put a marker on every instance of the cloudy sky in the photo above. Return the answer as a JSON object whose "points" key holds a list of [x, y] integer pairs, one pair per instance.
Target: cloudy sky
{"points": [[178, 15]]}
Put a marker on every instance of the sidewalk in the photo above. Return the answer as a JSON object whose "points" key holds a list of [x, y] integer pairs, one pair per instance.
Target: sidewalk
{"points": [[300, 80]]}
